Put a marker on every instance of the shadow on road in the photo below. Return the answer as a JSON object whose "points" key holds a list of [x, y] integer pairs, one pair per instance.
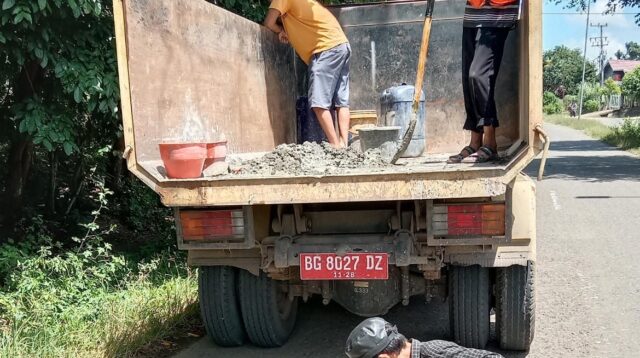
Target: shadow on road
{"points": [[593, 161]]}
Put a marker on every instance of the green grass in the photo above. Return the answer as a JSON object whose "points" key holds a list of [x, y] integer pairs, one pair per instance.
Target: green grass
{"points": [[625, 137], [62, 306]]}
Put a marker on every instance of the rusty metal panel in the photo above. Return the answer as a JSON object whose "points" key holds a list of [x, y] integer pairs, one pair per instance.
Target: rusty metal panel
{"points": [[198, 72], [385, 42]]}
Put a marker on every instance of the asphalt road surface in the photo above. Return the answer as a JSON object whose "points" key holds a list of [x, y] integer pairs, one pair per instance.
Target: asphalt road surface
{"points": [[588, 283]]}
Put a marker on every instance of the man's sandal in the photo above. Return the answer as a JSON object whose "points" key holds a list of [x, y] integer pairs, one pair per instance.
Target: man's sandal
{"points": [[483, 155], [459, 157]]}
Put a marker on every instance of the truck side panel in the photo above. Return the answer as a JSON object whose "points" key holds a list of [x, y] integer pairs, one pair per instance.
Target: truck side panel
{"points": [[198, 71]]}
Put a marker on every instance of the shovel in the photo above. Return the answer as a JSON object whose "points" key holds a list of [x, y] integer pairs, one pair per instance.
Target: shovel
{"points": [[422, 63]]}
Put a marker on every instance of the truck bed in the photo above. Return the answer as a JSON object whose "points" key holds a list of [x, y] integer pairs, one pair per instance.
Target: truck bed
{"points": [[427, 164], [190, 71], [414, 179]]}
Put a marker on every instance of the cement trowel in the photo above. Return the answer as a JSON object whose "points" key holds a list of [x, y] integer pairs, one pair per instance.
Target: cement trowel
{"points": [[422, 63]]}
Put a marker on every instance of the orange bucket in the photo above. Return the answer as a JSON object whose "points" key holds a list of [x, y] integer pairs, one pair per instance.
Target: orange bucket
{"points": [[216, 152], [183, 160]]}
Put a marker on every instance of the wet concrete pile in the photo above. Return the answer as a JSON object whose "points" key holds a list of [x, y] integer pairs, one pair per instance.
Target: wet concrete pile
{"points": [[311, 159]]}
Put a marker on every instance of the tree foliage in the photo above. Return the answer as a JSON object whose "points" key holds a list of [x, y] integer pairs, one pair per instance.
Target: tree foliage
{"points": [[631, 84], [60, 96], [253, 10], [551, 103], [633, 51], [612, 5], [563, 67], [611, 87], [65, 48]]}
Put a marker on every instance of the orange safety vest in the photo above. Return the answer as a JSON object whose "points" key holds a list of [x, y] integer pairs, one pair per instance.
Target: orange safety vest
{"points": [[495, 3]]}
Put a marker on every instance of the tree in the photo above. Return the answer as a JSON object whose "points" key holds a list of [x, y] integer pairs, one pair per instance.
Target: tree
{"points": [[633, 51], [612, 5], [563, 67], [631, 84], [60, 90], [611, 87]]}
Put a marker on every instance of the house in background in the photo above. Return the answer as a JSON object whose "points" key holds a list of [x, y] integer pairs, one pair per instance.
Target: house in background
{"points": [[616, 69]]}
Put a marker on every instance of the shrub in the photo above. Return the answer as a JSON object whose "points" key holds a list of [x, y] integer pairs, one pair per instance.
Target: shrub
{"points": [[628, 134], [590, 106], [568, 99], [84, 299], [611, 87], [92, 303], [551, 103], [141, 210], [631, 84]]}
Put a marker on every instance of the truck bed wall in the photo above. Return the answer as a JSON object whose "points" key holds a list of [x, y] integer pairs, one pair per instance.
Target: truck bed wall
{"points": [[385, 40], [197, 72]]}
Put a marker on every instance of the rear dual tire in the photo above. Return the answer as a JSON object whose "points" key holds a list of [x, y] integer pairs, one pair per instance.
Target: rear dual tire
{"points": [[268, 314], [515, 306], [235, 304], [470, 291], [219, 305], [469, 305]]}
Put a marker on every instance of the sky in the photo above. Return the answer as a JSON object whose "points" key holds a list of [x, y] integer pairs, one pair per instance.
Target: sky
{"points": [[568, 27]]}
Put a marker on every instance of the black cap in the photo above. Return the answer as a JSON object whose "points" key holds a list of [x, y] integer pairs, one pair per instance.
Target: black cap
{"points": [[368, 339]]}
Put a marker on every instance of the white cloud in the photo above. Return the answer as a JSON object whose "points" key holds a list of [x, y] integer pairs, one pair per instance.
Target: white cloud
{"points": [[616, 18]]}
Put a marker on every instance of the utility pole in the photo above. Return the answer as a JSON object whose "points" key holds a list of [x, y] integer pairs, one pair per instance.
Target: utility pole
{"points": [[601, 42], [584, 59]]}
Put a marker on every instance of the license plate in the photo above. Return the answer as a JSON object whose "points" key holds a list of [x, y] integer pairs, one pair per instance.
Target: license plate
{"points": [[355, 266]]}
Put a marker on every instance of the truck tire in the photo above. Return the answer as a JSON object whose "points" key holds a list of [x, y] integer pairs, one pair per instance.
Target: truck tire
{"points": [[268, 314], [219, 305], [515, 307], [469, 305]]}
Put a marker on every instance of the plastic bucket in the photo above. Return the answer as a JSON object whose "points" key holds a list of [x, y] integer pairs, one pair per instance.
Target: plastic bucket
{"points": [[183, 160]]}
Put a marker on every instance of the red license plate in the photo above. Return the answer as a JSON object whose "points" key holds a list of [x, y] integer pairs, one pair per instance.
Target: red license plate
{"points": [[355, 266]]}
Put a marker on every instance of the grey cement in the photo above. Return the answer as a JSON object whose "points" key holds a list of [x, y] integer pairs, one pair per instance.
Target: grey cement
{"points": [[311, 159]]}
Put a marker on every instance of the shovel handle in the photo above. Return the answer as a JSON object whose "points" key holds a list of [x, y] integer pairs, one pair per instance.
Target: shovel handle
{"points": [[422, 64], [422, 57]]}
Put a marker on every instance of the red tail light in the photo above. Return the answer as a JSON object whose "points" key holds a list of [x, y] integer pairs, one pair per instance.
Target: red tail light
{"points": [[469, 220], [212, 226]]}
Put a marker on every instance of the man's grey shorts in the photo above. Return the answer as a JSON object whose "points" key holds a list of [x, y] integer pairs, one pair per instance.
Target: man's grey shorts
{"points": [[329, 77]]}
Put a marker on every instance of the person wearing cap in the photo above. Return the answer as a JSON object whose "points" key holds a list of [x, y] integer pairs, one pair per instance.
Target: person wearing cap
{"points": [[318, 39], [377, 338]]}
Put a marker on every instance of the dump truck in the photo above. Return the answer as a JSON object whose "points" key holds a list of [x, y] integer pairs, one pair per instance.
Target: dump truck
{"points": [[366, 239]]}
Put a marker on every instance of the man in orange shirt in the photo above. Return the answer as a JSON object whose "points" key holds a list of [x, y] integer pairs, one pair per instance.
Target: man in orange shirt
{"points": [[318, 39]]}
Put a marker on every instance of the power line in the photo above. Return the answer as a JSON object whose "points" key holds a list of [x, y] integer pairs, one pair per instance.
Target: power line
{"points": [[601, 42]]}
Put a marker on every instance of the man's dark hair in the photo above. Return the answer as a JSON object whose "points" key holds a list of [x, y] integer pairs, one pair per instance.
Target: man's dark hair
{"points": [[397, 342]]}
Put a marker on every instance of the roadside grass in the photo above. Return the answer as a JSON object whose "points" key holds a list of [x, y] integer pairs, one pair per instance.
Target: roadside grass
{"points": [[93, 304], [626, 137]]}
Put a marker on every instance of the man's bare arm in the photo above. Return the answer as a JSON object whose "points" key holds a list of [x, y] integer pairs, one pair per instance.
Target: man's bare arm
{"points": [[271, 21]]}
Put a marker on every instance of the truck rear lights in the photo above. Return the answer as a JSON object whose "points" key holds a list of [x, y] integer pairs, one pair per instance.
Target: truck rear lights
{"points": [[212, 225], [469, 219]]}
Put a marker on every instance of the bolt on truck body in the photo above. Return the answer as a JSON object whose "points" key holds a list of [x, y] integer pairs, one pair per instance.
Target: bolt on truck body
{"points": [[368, 240]]}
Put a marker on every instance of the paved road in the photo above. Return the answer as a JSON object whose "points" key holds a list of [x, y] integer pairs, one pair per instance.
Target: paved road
{"points": [[588, 271]]}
